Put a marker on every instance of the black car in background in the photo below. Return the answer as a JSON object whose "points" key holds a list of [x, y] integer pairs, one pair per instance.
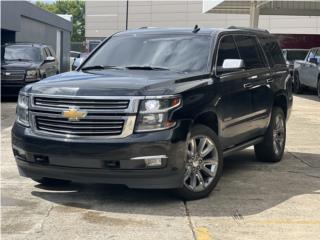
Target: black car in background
{"points": [[23, 63], [157, 108]]}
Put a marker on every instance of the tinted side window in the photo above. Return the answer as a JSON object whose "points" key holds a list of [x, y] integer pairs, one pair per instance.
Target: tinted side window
{"points": [[52, 51], [227, 50], [48, 52], [45, 53], [249, 51], [273, 51]]}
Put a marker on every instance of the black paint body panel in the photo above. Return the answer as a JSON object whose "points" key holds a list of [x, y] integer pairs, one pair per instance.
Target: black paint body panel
{"points": [[242, 114]]}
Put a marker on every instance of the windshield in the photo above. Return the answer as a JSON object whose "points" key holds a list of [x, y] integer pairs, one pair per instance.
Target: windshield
{"points": [[20, 53], [296, 55], [179, 53]]}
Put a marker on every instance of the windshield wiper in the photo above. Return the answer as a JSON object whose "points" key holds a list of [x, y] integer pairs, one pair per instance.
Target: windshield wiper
{"points": [[146, 68], [99, 67]]}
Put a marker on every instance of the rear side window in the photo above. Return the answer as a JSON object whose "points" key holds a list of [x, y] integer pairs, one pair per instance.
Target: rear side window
{"points": [[249, 51], [227, 50], [273, 51]]}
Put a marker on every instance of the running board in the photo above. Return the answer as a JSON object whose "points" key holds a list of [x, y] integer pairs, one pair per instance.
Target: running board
{"points": [[236, 148]]}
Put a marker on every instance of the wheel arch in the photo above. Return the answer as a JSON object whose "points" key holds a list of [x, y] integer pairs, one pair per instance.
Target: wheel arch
{"points": [[281, 101], [208, 118]]}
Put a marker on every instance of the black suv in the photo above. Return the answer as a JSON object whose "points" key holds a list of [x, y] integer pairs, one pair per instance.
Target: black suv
{"points": [[157, 108], [22, 63]]}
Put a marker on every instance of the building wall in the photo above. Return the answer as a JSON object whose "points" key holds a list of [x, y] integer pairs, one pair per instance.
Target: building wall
{"points": [[104, 18], [38, 32], [22, 21]]}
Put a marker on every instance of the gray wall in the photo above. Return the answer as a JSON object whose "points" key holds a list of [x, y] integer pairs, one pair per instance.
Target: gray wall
{"points": [[33, 24], [35, 31]]}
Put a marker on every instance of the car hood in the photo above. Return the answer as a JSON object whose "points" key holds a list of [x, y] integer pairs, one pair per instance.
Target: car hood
{"points": [[117, 83], [7, 65]]}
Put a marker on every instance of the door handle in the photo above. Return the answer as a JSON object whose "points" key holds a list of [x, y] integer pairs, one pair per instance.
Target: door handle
{"points": [[270, 80], [253, 77], [248, 85]]}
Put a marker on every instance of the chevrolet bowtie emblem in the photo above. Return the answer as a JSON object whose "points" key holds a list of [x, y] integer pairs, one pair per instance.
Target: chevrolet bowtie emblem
{"points": [[74, 114], [7, 74]]}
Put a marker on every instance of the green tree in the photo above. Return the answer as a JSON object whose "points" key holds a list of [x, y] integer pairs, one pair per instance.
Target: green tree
{"points": [[76, 8]]}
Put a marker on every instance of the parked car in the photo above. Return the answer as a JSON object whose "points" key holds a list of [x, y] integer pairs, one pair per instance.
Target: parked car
{"points": [[307, 72], [77, 62], [157, 108], [23, 63], [291, 55], [73, 56]]}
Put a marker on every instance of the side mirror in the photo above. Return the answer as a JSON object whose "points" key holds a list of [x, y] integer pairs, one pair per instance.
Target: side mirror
{"points": [[231, 64], [76, 63], [313, 60], [50, 59]]}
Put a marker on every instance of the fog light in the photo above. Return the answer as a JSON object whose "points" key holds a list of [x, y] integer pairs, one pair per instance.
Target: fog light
{"points": [[152, 161]]}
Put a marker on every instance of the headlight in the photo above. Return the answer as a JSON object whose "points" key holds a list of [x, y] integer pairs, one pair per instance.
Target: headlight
{"points": [[154, 114], [32, 75], [22, 110]]}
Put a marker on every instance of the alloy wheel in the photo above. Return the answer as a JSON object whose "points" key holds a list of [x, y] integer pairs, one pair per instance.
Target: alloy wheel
{"points": [[278, 135], [201, 164]]}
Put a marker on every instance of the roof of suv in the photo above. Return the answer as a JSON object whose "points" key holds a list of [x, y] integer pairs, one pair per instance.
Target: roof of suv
{"points": [[201, 31]]}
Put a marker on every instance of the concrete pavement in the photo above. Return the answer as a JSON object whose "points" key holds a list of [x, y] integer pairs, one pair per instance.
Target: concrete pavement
{"points": [[252, 201]]}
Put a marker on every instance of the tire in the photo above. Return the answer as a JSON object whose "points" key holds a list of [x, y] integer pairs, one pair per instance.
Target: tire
{"points": [[51, 181], [318, 87], [273, 145], [297, 87], [202, 168]]}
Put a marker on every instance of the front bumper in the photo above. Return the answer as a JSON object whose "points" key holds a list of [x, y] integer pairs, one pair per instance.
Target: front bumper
{"points": [[10, 89], [113, 161]]}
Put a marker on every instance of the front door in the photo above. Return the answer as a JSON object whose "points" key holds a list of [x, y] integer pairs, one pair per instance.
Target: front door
{"points": [[257, 83], [235, 105], [312, 70], [307, 69]]}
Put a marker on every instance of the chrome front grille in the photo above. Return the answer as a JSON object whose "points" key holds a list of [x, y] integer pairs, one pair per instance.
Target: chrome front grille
{"points": [[106, 117], [84, 127], [13, 75], [81, 103]]}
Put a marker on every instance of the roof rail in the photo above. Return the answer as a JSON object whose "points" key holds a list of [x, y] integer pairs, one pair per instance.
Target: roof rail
{"points": [[249, 29], [145, 27]]}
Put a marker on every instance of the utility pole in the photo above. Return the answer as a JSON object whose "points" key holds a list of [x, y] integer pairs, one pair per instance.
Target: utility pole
{"points": [[127, 14], [254, 14]]}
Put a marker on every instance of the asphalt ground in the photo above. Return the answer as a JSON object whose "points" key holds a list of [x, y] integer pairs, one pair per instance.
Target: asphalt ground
{"points": [[253, 200]]}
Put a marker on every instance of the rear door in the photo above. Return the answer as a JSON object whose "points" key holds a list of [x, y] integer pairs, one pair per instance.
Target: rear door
{"points": [[235, 105]]}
